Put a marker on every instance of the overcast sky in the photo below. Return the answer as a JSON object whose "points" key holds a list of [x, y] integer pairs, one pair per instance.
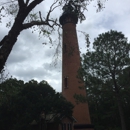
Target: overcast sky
{"points": [[30, 59]]}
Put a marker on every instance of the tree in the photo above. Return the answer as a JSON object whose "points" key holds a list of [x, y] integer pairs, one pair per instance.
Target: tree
{"points": [[24, 18], [21, 10], [29, 103], [102, 106], [9, 88], [124, 80], [106, 62]]}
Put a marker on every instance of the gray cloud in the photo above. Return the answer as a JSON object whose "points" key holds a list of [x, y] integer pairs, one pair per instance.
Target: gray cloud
{"points": [[30, 59]]}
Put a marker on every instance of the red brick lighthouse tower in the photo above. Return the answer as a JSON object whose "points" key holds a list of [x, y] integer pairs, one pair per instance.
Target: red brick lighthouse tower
{"points": [[72, 86]]}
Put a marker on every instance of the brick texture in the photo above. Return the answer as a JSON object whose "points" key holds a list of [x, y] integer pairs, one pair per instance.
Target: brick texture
{"points": [[70, 66]]}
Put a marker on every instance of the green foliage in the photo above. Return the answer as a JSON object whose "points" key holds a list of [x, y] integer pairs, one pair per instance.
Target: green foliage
{"points": [[106, 74], [30, 101], [110, 56], [9, 88], [79, 6], [103, 109]]}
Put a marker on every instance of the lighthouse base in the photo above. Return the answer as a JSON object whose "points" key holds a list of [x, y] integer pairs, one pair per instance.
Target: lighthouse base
{"points": [[83, 127]]}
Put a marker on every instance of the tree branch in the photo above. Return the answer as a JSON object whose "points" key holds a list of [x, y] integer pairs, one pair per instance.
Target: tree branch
{"points": [[27, 1], [54, 23], [40, 15], [21, 3], [3, 40], [33, 4], [33, 23], [41, 22], [51, 9]]}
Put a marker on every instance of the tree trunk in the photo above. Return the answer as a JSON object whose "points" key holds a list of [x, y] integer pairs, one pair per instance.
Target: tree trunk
{"points": [[121, 112], [5, 51], [119, 103], [8, 42]]}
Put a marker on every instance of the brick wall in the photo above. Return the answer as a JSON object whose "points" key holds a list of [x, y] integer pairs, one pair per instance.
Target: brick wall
{"points": [[70, 66]]}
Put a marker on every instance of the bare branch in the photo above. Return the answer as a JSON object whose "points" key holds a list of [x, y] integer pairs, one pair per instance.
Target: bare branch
{"points": [[27, 1], [33, 4], [58, 48], [51, 9], [33, 23], [21, 3], [54, 23], [2, 41], [40, 15]]}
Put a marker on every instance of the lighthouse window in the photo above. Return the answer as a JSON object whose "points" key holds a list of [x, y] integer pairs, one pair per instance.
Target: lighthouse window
{"points": [[66, 82], [69, 126], [64, 126]]}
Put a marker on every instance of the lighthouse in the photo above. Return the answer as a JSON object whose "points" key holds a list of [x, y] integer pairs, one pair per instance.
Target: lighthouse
{"points": [[72, 85]]}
